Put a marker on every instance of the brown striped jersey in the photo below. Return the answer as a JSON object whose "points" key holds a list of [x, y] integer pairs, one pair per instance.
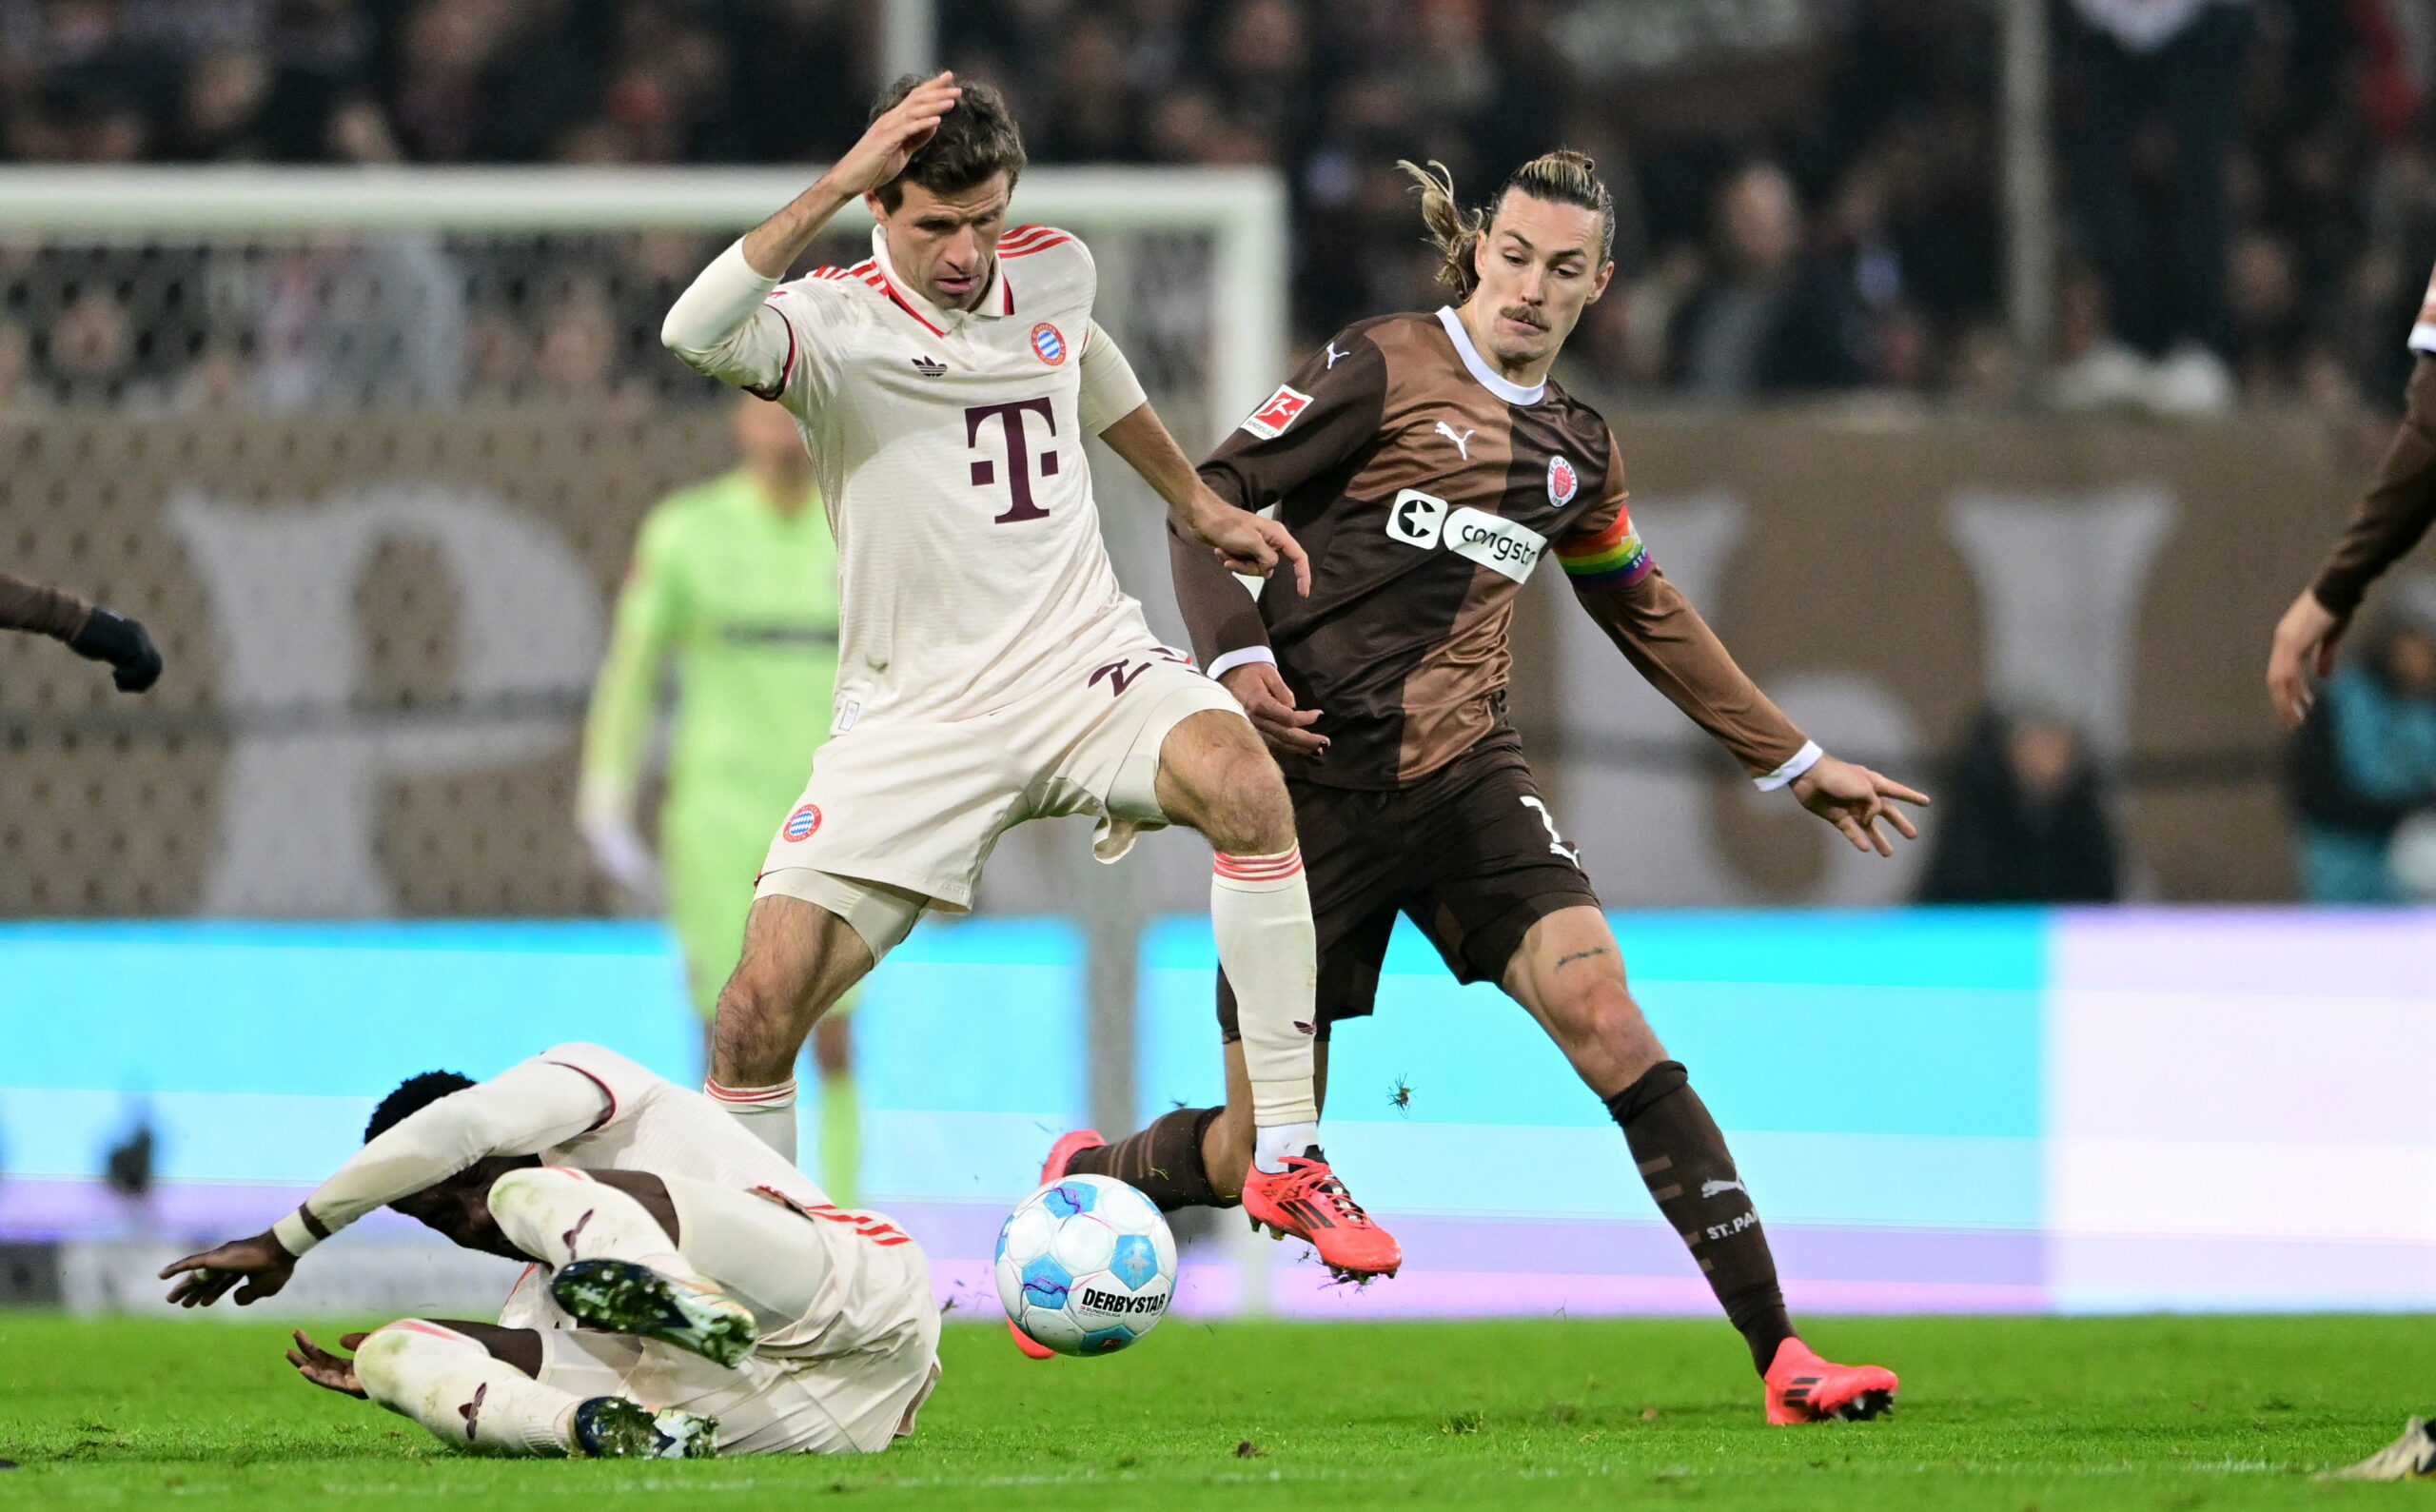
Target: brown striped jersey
{"points": [[1427, 489]]}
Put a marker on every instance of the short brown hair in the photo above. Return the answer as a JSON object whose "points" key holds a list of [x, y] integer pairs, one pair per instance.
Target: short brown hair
{"points": [[975, 140], [1560, 178]]}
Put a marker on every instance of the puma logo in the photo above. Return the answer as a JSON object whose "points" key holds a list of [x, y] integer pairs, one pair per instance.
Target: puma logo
{"points": [[473, 1410], [1463, 442], [1335, 356], [1718, 1188], [569, 1235]]}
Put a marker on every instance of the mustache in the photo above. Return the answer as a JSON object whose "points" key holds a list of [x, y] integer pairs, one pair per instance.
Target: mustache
{"points": [[1524, 317]]}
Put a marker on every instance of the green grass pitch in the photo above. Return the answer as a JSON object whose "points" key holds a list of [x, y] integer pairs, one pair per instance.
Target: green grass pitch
{"points": [[2169, 1413]]}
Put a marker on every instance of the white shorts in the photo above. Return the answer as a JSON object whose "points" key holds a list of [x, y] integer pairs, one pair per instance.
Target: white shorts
{"points": [[919, 806]]}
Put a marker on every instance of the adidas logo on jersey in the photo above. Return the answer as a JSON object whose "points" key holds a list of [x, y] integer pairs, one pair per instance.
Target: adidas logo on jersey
{"points": [[929, 367]]}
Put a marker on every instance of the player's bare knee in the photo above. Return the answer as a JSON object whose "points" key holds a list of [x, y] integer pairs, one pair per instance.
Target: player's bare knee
{"points": [[1602, 1026], [1251, 813]]}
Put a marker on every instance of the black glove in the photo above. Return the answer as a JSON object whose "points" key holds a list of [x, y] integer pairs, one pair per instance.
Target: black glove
{"points": [[119, 642]]}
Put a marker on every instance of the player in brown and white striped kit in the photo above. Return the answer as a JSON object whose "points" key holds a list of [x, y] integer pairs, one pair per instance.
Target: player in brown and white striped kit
{"points": [[1428, 464]]}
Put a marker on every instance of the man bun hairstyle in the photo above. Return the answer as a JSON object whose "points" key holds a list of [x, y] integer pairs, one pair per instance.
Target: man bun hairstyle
{"points": [[413, 1095], [975, 139], [1562, 177]]}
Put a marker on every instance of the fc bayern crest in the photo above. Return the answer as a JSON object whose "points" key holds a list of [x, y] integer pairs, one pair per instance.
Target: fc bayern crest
{"points": [[1562, 482], [1047, 343], [801, 823]]}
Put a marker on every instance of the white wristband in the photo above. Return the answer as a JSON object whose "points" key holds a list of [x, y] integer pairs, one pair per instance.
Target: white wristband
{"points": [[292, 1233], [1801, 762], [1240, 657]]}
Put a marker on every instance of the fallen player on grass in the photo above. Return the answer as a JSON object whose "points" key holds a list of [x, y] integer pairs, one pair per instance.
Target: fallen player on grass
{"points": [[669, 1312]]}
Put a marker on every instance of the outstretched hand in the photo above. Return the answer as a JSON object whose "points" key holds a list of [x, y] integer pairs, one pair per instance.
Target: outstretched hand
{"points": [[324, 1370], [1854, 798], [2305, 642], [262, 1263], [890, 141]]}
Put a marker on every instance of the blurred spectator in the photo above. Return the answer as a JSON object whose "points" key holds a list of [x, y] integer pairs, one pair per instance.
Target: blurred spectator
{"points": [[1807, 192], [2024, 818], [2149, 133], [1765, 319], [2363, 761]]}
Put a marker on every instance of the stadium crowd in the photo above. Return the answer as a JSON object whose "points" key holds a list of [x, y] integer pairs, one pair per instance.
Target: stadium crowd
{"points": [[2249, 185]]}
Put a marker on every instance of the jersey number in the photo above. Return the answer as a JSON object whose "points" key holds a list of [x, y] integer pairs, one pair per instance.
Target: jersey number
{"points": [[1009, 417], [1120, 674]]}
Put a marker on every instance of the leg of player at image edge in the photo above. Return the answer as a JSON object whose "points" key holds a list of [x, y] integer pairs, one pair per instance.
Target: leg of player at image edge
{"points": [[2412, 1457], [452, 1385], [1260, 913]]}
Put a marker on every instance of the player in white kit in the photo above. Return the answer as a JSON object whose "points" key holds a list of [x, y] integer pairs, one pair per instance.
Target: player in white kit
{"points": [[744, 1312], [991, 671]]}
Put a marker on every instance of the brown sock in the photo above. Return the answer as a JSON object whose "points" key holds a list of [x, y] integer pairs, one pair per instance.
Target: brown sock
{"points": [[1683, 1158], [1164, 1161]]}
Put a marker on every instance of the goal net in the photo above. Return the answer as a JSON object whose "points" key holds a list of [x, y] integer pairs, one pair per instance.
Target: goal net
{"points": [[367, 450]]}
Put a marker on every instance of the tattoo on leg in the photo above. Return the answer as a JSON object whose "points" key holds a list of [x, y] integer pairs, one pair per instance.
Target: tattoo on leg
{"points": [[1563, 961]]}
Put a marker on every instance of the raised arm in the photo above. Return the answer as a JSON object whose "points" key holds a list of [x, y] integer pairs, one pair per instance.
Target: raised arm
{"points": [[722, 324], [2390, 520], [522, 1111], [1668, 643]]}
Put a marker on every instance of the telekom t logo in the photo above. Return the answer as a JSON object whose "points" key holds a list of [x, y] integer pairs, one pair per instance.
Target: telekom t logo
{"points": [[1009, 417]]}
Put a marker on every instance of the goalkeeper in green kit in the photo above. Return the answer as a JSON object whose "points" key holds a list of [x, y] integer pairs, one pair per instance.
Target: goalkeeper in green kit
{"points": [[735, 581]]}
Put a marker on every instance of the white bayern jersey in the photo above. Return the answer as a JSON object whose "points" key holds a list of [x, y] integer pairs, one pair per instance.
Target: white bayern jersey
{"points": [[949, 448], [573, 1105]]}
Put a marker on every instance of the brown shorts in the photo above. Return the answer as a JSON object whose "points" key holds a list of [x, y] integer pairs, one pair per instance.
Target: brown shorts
{"points": [[1469, 854]]}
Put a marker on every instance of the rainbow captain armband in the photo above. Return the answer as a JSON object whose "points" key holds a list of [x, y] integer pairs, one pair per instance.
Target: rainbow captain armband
{"points": [[1613, 559]]}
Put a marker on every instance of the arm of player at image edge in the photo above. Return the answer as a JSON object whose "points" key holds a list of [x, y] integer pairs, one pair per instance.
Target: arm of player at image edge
{"points": [[1669, 644], [2391, 518], [617, 723], [725, 325], [1115, 407], [523, 1110], [88, 630]]}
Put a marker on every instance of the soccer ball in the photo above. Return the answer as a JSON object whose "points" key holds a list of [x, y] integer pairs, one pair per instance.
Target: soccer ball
{"points": [[1086, 1266]]}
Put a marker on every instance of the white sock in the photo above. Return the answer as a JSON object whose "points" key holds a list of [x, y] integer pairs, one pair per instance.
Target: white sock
{"points": [[1271, 1146], [1260, 911], [768, 1113], [451, 1385], [557, 1215]]}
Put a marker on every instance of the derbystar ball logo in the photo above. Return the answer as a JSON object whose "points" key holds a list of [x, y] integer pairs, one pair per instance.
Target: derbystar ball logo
{"points": [[1562, 482], [801, 823], [1276, 413], [1047, 343]]}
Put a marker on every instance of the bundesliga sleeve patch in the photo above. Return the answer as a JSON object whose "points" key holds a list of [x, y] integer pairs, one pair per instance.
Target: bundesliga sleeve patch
{"points": [[1614, 557], [1276, 413]]}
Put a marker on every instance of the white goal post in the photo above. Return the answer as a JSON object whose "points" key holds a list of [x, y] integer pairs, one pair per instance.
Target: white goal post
{"points": [[1242, 211]]}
